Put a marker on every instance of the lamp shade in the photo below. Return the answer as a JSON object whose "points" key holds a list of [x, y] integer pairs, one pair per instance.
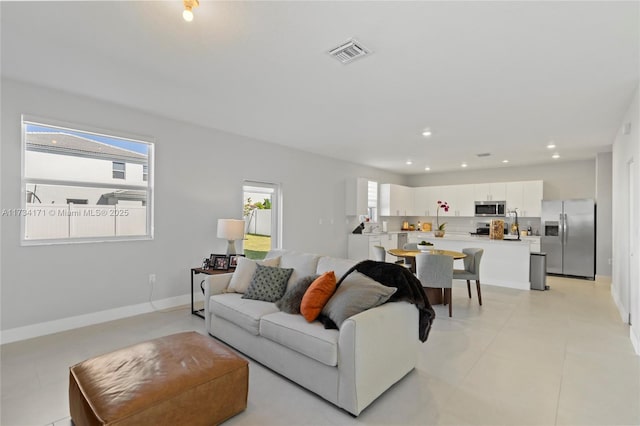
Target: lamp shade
{"points": [[231, 229]]}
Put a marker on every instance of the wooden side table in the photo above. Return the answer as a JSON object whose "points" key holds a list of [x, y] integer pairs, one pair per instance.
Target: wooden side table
{"points": [[195, 271]]}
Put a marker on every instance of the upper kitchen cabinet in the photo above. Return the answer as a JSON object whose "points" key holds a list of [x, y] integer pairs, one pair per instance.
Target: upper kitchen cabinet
{"points": [[526, 196], [532, 198], [396, 200], [356, 196], [490, 191], [425, 199], [461, 200], [459, 197]]}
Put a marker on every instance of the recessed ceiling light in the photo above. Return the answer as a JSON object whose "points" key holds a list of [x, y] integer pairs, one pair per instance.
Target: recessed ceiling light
{"points": [[551, 145], [426, 132], [555, 156], [463, 165], [54, 141], [427, 168], [409, 162], [505, 161]]}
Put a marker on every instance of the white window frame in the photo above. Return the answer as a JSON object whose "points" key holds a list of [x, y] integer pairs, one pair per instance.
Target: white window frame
{"points": [[150, 141], [276, 208], [114, 170]]}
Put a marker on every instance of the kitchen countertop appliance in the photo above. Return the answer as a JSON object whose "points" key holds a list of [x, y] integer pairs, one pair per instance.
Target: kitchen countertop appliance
{"points": [[569, 237]]}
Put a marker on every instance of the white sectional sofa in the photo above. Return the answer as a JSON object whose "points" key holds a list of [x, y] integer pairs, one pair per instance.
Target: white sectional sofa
{"points": [[349, 367]]}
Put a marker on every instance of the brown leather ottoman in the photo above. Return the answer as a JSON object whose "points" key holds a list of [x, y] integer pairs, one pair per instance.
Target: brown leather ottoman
{"points": [[184, 378]]}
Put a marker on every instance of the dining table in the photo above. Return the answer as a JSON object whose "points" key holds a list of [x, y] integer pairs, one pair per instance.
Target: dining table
{"points": [[435, 295]]}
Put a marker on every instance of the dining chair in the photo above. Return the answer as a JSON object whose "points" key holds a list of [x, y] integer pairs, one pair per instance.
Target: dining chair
{"points": [[408, 262], [436, 271], [471, 270], [379, 254]]}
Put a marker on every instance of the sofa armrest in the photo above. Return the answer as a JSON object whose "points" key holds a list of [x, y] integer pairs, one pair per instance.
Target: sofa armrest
{"points": [[214, 284], [376, 349]]}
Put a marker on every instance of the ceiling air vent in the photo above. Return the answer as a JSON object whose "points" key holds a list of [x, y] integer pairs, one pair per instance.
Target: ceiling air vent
{"points": [[484, 154], [349, 51]]}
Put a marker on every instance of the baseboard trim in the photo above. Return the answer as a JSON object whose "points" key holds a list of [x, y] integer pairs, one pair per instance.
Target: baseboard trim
{"points": [[634, 339], [64, 324], [624, 314]]}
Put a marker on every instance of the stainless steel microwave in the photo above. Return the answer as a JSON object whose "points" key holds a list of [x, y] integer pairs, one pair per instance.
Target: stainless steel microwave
{"points": [[490, 208]]}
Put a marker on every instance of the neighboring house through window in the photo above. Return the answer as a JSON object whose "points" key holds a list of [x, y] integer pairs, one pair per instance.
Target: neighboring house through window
{"points": [[80, 184]]}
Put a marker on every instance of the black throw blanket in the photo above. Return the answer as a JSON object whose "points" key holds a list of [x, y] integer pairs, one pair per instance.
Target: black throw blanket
{"points": [[409, 288]]}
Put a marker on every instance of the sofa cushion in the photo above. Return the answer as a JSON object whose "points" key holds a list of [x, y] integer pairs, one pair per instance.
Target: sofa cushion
{"points": [[245, 269], [268, 283], [244, 313], [356, 294], [317, 295], [295, 333], [290, 302], [303, 264], [339, 266]]}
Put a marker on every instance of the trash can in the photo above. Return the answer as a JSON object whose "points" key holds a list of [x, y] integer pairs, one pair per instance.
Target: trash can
{"points": [[538, 271]]}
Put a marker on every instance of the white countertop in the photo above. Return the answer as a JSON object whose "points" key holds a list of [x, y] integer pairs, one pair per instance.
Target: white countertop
{"points": [[458, 236]]}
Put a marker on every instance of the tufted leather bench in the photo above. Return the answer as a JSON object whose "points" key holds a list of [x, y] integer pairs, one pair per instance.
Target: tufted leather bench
{"points": [[184, 378]]}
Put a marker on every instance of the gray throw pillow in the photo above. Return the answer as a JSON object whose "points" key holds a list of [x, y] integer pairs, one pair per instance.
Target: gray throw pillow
{"points": [[290, 302], [268, 283], [356, 294]]}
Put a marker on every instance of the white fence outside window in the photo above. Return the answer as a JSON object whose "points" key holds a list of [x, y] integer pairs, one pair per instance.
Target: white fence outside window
{"points": [[53, 221], [259, 222]]}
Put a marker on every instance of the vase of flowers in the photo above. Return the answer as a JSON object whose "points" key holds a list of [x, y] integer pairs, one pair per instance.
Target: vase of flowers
{"points": [[439, 232]]}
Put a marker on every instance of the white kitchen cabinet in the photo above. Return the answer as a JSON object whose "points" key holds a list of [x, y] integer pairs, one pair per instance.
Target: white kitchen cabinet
{"points": [[425, 200], [356, 193], [534, 243], [532, 198], [461, 200], [526, 196], [490, 191], [396, 200], [360, 246]]}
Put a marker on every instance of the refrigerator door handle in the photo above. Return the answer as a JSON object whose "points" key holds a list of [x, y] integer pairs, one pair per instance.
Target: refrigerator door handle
{"points": [[561, 227], [566, 228]]}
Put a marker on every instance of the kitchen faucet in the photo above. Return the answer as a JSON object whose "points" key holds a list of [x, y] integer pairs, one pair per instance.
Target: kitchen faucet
{"points": [[515, 213]]}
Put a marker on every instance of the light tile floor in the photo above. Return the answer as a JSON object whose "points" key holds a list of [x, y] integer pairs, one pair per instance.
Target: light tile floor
{"points": [[560, 357]]}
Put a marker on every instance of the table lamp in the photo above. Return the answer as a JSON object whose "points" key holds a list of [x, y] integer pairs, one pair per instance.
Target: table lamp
{"points": [[231, 230]]}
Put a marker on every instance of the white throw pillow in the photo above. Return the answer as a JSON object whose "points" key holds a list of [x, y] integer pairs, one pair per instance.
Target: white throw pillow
{"points": [[244, 272]]}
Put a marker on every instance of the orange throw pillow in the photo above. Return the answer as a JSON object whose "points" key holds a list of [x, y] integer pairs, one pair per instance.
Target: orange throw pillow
{"points": [[317, 295]]}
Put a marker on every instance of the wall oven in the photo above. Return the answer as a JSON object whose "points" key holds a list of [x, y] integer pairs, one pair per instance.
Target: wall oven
{"points": [[490, 208]]}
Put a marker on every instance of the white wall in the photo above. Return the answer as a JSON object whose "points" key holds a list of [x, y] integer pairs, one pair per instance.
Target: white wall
{"points": [[604, 185], [626, 235], [562, 180], [197, 167]]}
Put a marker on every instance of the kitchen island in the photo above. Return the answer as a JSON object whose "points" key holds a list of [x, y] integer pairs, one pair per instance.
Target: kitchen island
{"points": [[505, 263]]}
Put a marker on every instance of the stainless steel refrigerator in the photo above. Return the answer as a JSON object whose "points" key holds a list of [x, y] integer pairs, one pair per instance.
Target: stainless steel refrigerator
{"points": [[569, 237]]}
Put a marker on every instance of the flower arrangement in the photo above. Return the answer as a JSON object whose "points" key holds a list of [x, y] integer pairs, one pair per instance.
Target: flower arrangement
{"points": [[445, 206]]}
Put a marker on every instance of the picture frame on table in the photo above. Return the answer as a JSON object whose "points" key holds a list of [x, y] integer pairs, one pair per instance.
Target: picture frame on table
{"points": [[233, 260], [221, 262]]}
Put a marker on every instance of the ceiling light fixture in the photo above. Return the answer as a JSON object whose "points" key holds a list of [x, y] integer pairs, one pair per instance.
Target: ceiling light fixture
{"points": [[426, 132], [505, 161], [463, 165], [409, 162], [555, 156], [189, 5], [551, 145], [427, 168]]}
